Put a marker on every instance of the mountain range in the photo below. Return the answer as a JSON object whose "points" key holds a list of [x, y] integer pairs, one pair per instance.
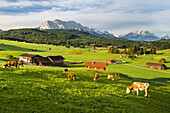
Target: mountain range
{"points": [[1, 30], [143, 36], [59, 24]]}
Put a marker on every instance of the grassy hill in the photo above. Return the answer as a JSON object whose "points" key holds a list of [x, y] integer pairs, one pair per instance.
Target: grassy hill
{"points": [[47, 89]]}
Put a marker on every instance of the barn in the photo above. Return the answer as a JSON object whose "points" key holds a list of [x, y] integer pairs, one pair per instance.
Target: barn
{"points": [[162, 60], [156, 66], [56, 59], [27, 58], [96, 65], [42, 61], [111, 60]]}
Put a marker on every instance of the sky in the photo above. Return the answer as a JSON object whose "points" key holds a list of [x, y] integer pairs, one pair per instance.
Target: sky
{"points": [[116, 16]]}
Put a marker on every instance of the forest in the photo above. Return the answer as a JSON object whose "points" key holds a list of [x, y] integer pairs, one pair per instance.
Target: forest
{"points": [[76, 38]]}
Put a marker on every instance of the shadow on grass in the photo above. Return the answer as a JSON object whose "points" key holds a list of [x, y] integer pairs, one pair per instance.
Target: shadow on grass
{"points": [[16, 48], [159, 53], [161, 81], [5, 60]]}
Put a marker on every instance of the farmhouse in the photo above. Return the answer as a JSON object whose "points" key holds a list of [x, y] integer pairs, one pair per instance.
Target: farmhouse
{"points": [[162, 60], [56, 59], [112, 60], [27, 58], [96, 65], [41, 61], [156, 66]]}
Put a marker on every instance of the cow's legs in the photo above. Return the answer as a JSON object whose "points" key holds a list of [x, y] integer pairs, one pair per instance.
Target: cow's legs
{"points": [[146, 92], [137, 92], [73, 77]]}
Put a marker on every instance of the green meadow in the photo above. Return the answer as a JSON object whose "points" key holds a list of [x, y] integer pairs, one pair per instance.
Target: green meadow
{"points": [[47, 89]]}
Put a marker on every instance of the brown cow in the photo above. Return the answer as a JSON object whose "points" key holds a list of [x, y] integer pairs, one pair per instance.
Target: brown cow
{"points": [[71, 76], [13, 63], [136, 86], [97, 76], [65, 70]]}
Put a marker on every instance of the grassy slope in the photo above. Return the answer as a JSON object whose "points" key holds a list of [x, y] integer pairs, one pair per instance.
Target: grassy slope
{"points": [[47, 89]]}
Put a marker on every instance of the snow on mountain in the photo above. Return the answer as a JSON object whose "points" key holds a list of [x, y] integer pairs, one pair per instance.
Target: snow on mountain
{"points": [[1, 30], [164, 36], [143, 35], [59, 24]]}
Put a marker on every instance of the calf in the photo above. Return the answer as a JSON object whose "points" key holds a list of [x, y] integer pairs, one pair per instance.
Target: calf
{"points": [[136, 86], [71, 76]]}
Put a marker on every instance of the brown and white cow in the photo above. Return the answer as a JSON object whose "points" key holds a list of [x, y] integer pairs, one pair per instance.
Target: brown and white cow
{"points": [[13, 63], [111, 77], [97, 76], [136, 86], [71, 76]]}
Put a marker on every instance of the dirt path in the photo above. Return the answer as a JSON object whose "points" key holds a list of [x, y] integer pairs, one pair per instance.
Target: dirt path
{"points": [[147, 68]]}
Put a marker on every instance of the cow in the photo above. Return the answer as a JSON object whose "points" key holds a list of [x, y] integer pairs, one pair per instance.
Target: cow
{"points": [[71, 76], [13, 63], [97, 76], [136, 86], [111, 77], [65, 70]]}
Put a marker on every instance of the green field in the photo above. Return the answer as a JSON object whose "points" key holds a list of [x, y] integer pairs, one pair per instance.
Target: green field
{"points": [[47, 89]]}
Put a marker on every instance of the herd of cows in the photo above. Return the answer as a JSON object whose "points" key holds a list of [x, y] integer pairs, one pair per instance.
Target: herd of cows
{"points": [[136, 86]]}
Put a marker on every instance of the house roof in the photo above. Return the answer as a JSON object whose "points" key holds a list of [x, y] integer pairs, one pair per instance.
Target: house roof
{"points": [[56, 58], [162, 59], [96, 64], [111, 59], [28, 55], [155, 64], [43, 60]]}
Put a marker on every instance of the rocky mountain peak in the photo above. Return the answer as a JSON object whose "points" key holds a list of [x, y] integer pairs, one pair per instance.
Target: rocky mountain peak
{"points": [[59, 24], [143, 35]]}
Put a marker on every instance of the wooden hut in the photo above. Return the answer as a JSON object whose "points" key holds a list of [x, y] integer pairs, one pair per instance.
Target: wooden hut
{"points": [[96, 65], [27, 58], [56, 59], [112, 60], [41, 61], [156, 66], [162, 60]]}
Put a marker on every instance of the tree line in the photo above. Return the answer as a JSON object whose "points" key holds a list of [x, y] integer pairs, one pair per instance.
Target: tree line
{"points": [[76, 38]]}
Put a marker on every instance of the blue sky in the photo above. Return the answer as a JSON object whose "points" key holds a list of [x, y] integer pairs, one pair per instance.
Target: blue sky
{"points": [[116, 16]]}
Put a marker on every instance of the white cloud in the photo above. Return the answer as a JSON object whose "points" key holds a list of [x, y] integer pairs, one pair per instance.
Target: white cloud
{"points": [[116, 16]]}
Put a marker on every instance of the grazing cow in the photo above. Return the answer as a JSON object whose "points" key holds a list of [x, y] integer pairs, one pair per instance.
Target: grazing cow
{"points": [[136, 86], [116, 74], [13, 63], [70, 76], [97, 76], [111, 77], [65, 70]]}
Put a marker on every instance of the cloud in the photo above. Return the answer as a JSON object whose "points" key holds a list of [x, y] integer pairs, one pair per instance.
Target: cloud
{"points": [[116, 16]]}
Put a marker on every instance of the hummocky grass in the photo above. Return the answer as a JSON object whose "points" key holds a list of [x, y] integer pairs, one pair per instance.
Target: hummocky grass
{"points": [[47, 89]]}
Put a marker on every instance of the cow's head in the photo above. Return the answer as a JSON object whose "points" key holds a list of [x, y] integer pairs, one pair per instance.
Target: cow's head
{"points": [[4, 66], [95, 79], [127, 90]]}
